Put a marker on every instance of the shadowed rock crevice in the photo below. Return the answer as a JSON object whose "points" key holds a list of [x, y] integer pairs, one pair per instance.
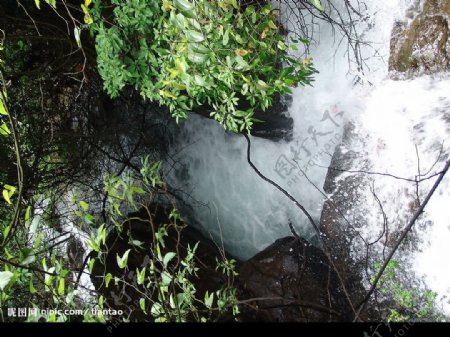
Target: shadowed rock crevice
{"points": [[293, 282]]}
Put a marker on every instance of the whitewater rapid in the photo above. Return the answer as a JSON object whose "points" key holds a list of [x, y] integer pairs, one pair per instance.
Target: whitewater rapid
{"points": [[226, 196], [399, 121]]}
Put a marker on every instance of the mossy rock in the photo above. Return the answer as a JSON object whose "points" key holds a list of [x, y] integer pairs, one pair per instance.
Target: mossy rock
{"points": [[423, 46]]}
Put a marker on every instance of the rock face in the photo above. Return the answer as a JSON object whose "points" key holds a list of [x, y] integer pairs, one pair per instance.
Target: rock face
{"points": [[299, 285], [275, 125], [423, 45], [75, 253], [339, 230]]}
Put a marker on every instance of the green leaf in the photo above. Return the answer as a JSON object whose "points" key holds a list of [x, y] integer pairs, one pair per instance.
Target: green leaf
{"points": [[177, 20], [272, 25], [189, 14], [4, 130], [238, 39], [281, 45], [6, 232], [166, 278], [89, 218], [61, 286], [137, 243], [158, 252], [226, 37], [39, 237], [84, 205], [169, 256], [168, 94], [5, 277], [197, 58], [183, 5], [2, 108], [194, 36], [181, 66], [142, 304], [122, 261], [261, 85], [28, 260], [91, 265], [27, 256], [199, 80], [7, 196], [32, 288], [172, 302], [241, 113], [38, 3], [102, 233], [76, 33], [140, 275], [27, 217], [318, 5], [108, 279], [209, 299], [198, 48], [93, 244]]}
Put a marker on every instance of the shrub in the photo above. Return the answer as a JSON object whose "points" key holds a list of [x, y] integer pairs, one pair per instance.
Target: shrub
{"points": [[192, 54]]}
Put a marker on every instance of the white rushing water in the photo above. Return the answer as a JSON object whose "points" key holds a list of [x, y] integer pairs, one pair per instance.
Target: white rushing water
{"points": [[248, 212], [394, 118], [67, 232], [408, 125]]}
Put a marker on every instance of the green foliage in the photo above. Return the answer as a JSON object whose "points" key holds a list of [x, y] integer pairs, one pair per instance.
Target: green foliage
{"points": [[318, 4], [408, 303], [43, 277], [193, 54], [167, 283], [34, 268]]}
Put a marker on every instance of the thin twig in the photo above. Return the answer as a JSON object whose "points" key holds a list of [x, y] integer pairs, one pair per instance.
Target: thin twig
{"points": [[402, 237]]}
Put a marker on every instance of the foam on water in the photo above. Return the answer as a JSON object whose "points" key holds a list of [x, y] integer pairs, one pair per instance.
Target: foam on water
{"points": [[248, 212], [407, 125], [394, 116]]}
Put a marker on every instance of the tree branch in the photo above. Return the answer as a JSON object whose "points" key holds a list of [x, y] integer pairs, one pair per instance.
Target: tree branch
{"points": [[402, 237]]}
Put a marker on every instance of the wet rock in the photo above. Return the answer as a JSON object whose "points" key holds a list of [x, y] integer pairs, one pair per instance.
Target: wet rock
{"points": [[296, 282], [75, 253], [423, 45], [339, 223], [275, 123]]}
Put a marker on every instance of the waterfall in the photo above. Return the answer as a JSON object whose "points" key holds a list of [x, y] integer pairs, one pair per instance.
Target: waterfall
{"points": [[228, 199], [399, 120]]}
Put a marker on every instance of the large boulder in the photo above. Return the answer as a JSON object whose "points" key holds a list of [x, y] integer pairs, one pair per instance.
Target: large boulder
{"points": [[423, 45], [291, 281], [340, 222]]}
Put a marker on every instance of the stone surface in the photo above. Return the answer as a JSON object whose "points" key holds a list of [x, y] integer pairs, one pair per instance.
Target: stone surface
{"points": [[275, 124], [339, 231], [294, 283], [423, 45]]}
